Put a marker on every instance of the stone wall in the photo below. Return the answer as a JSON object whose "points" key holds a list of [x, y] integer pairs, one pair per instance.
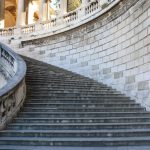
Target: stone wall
{"points": [[113, 49]]}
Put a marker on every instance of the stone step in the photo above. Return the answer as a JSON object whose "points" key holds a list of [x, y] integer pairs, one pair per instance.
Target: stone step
{"points": [[66, 82], [68, 88], [76, 133], [49, 104], [23, 147], [66, 85], [83, 120], [34, 141], [78, 97], [60, 86], [35, 91], [76, 94], [100, 109], [77, 126], [55, 77], [59, 89], [63, 81], [101, 101], [52, 78], [83, 114]]}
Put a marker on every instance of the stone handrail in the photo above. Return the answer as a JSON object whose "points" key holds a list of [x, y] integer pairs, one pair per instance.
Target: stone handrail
{"points": [[61, 23], [7, 31], [12, 95], [28, 29], [91, 7]]}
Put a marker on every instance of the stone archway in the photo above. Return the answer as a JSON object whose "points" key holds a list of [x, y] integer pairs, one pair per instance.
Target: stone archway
{"points": [[10, 13]]}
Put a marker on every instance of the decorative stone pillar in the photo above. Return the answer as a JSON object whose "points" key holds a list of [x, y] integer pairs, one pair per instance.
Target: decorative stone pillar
{"points": [[30, 13], [44, 10], [48, 10], [41, 4], [2, 13], [20, 13], [63, 7]]}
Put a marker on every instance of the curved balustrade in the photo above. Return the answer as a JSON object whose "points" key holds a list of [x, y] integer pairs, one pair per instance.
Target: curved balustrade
{"points": [[94, 5], [28, 29], [78, 17], [70, 16], [7, 31], [49, 24], [12, 95]]}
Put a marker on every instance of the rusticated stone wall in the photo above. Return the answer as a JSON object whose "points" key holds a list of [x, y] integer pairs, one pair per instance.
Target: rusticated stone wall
{"points": [[113, 49]]}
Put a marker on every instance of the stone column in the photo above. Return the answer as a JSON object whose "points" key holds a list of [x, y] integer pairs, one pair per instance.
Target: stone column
{"points": [[2, 13], [44, 9], [29, 13], [63, 7], [48, 10], [41, 4], [20, 13], [45, 12]]}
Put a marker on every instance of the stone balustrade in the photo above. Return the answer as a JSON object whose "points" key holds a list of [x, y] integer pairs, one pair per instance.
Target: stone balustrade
{"points": [[28, 29], [71, 16], [49, 24], [76, 16], [12, 95], [7, 31], [90, 8]]}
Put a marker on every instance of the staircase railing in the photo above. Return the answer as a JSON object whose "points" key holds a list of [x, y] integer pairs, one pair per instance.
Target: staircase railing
{"points": [[13, 94]]}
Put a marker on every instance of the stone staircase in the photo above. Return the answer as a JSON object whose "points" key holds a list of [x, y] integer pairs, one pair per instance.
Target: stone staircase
{"points": [[63, 109]]}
